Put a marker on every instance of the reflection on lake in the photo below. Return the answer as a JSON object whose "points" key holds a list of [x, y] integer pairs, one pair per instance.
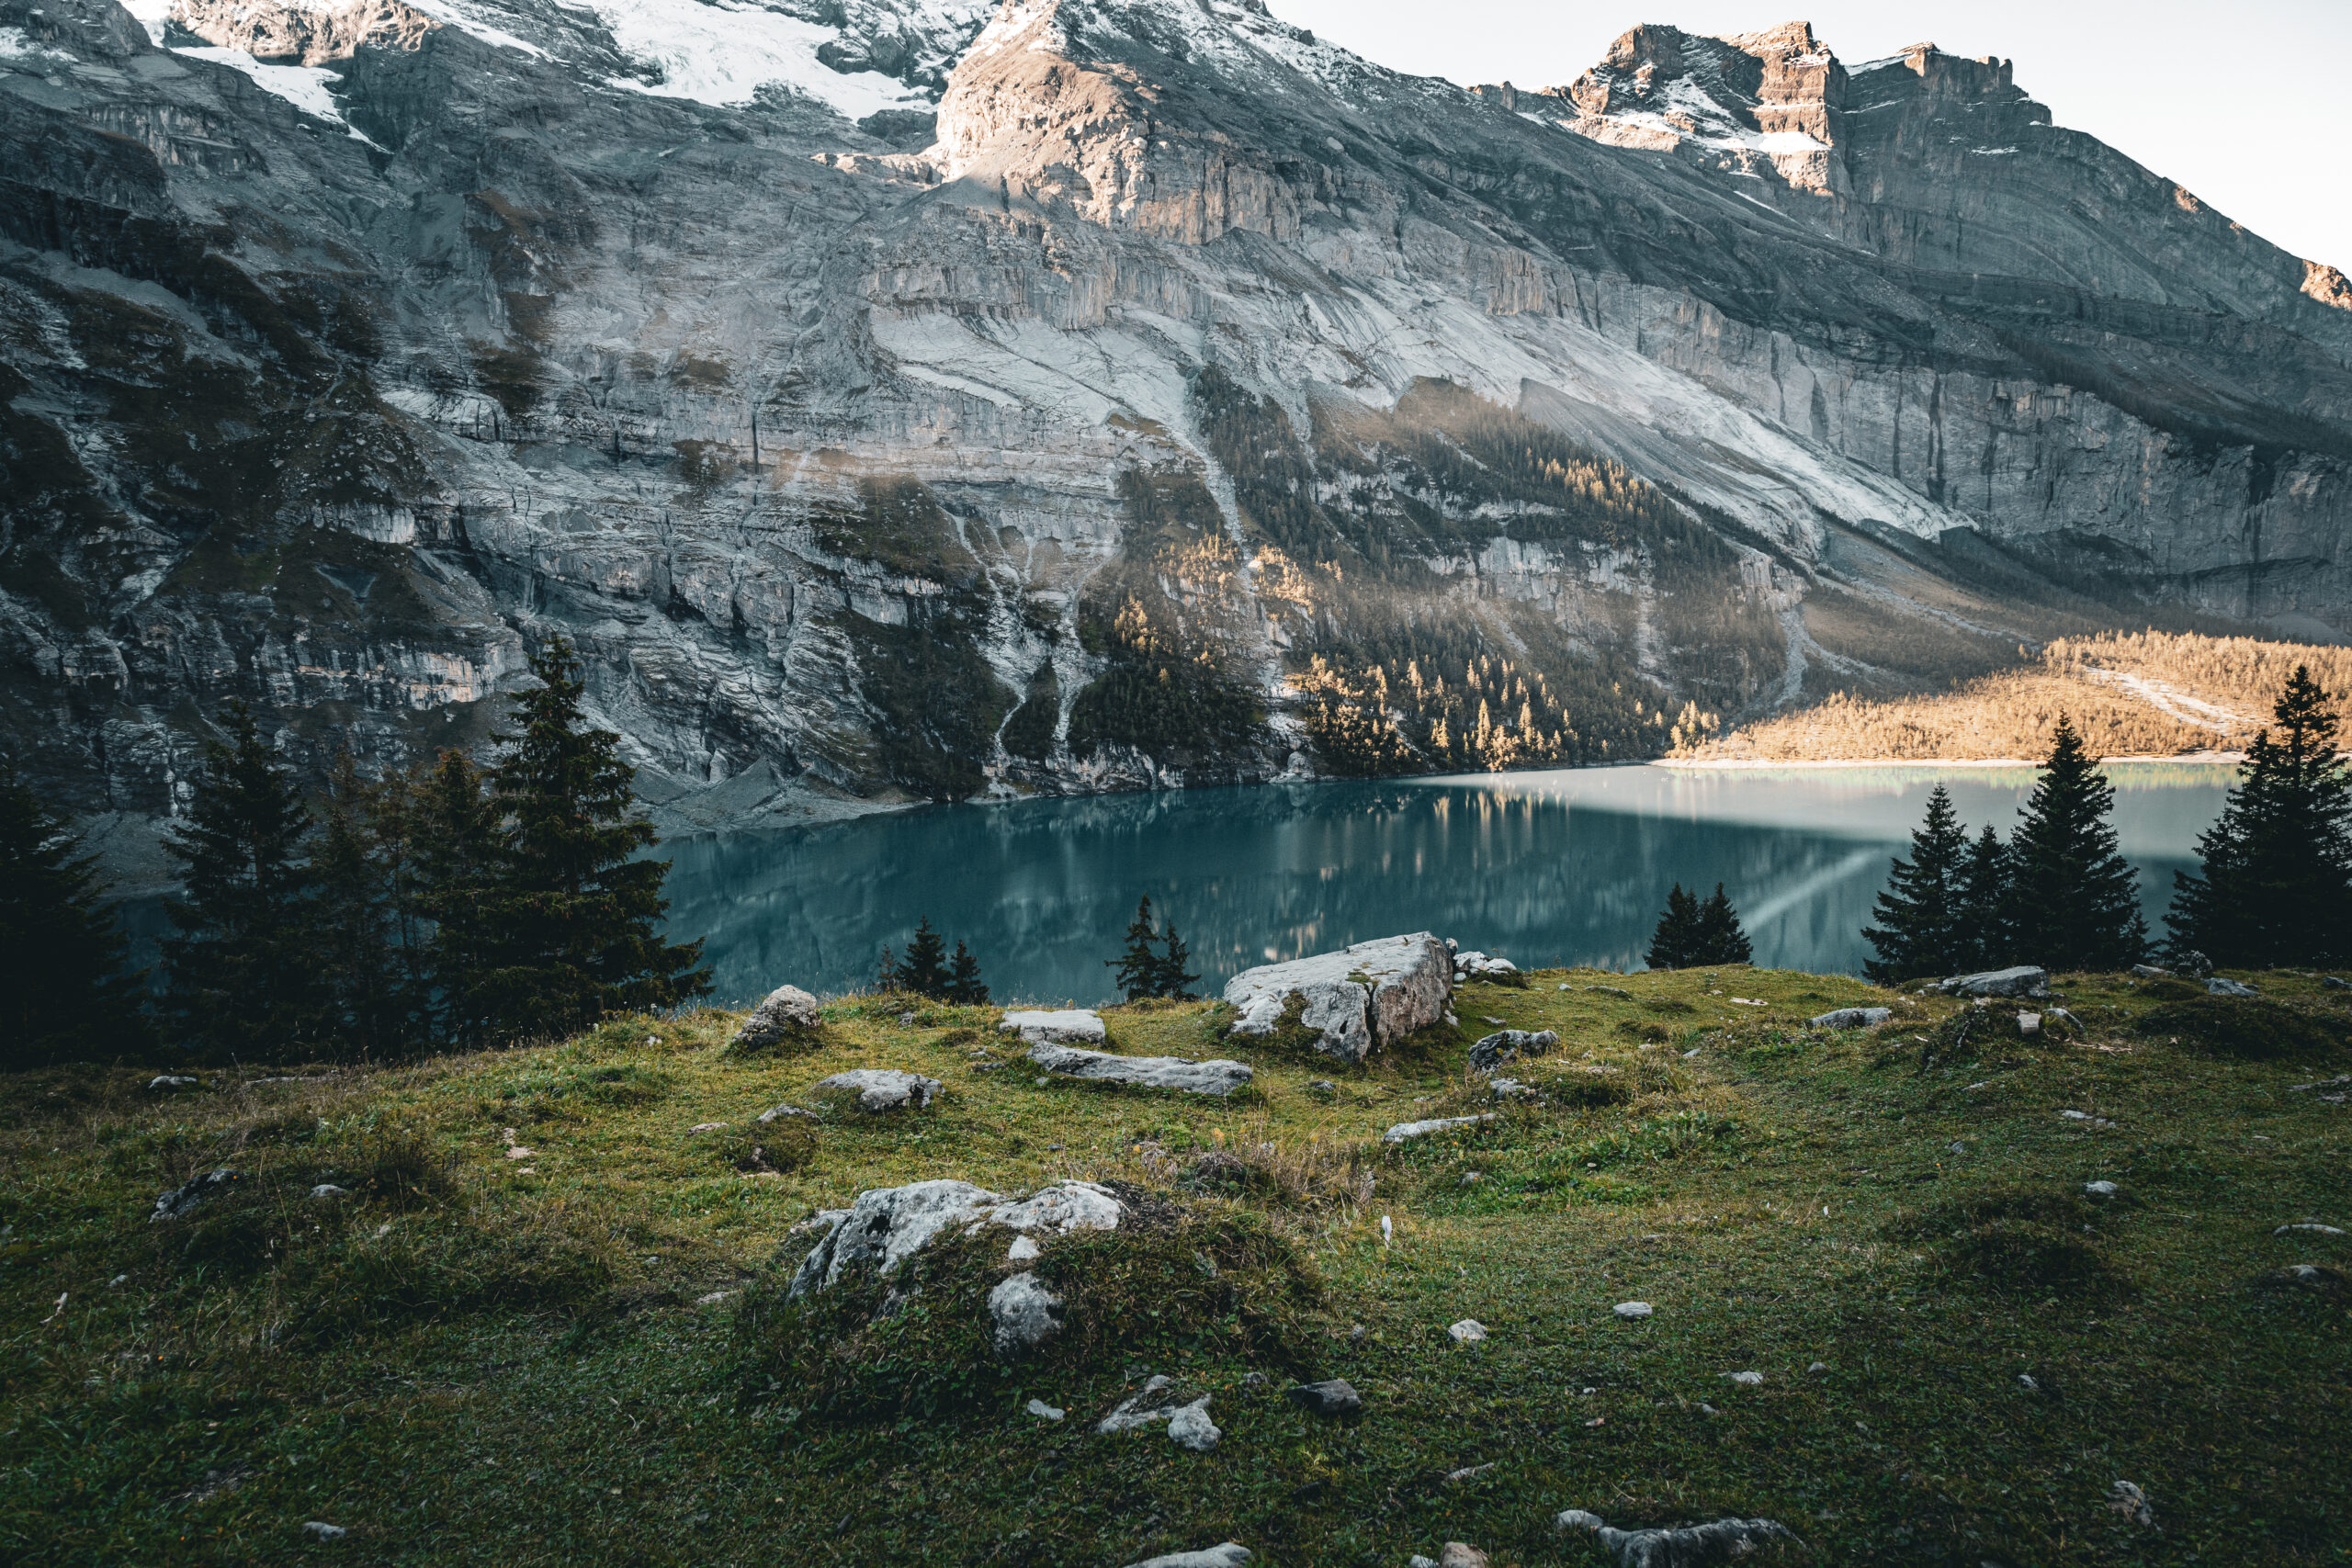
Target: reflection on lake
{"points": [[1545, 868]]}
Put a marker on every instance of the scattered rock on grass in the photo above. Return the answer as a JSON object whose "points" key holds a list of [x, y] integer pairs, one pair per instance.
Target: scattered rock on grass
{"points": [[1189, 1427], [1510, 1045], [2150, 971], [1469, 1331], [1062, 1026], [1403, 1130], [1630, 1310], [1021, 1250], [1470, 1472], [2316, 1227], [1044, 1412], [779, 1112], [1852, 1018], [327, 1190], [2132, 1503], [786, 1013], [2021, 980], [1683, 1546], [2329, 982], [1333, 1396], [170, 1081], [2099, 1189], [1024, 1314], [2222, 986], [1140, 1409], [1461, 1554], [180, 1200], [1745, 1379], [1228, 1555], [883, 1089], [323, 1530], [1219, 1077], [888, 1225], [707, 1127], [1355, 999]]}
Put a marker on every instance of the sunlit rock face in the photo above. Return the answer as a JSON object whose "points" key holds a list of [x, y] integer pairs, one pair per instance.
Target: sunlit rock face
{"points": [[927, 400]]}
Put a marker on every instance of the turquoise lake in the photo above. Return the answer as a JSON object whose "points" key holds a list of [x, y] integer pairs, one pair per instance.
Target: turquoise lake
{"points": [[1543, 868]]}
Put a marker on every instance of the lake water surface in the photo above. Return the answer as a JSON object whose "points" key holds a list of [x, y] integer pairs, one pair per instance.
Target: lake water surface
{"points": [[1544, 868]]}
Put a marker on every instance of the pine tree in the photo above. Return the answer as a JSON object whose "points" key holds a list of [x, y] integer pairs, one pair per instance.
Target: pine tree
{"points": [[65, 993], [1138, 968], [1717, 938], [2073, 901], [241, 982], [1983, 939], [447, 832], [923, 971], [1171, 979], [1920, 914], [1674, 941], [352, 939], [2276, 887], [568, 925], [964, 979], [890, 977]]}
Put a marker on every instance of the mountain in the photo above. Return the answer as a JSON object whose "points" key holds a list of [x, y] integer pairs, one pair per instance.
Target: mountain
{"points": [[910, 398]]}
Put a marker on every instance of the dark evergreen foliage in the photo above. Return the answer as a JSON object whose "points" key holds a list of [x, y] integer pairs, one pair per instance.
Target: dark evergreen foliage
{"points": [[2072, 900], [964, 986], [1676, 937], [353, 936], [567, 928], [1921, 924], [1140, 971], [65, 993], [242, 981], [1718, 938], [1984, 904], [923, 971], [449, 838], [2277, 883]]}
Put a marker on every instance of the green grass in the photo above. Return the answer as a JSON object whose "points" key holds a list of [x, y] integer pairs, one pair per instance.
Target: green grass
{"points": [[481, 1358]]}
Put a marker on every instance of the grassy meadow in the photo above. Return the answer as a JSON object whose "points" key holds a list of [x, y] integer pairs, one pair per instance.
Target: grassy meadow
{"points": [[542, 1324]]}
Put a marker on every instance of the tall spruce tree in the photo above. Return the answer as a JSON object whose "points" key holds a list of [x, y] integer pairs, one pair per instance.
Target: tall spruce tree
{"points": [[1718, 938], [568, 926], [1137, 968], [448, 846], [2074, 900], [241, 982], [923, 970], [352, 938], [1983, 936], [1171, 978], [2277, 883], [1921, 927], [65, 991], [1676, 936], [963, 985]]}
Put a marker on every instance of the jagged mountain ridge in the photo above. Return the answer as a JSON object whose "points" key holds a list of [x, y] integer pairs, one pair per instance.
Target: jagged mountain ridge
{"points": [[1046, 435]]}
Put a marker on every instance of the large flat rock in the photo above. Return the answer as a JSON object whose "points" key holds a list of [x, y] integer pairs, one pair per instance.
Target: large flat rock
{"points": [[1356, 999], [1218, 1076], [1061, 1026]]}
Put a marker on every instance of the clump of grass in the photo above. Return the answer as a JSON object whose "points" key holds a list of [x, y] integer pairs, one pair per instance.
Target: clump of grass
{"points": [[2016, 1242], [398, 1166], [486, 1254], [2246, 1028], [1291, 1173], [1666, 1005], [1633, 1028], [2171, 990], [919, 1341]]}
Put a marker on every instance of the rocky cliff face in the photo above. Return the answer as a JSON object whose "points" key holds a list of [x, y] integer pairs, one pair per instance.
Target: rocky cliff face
{"points": [[920, 400]]}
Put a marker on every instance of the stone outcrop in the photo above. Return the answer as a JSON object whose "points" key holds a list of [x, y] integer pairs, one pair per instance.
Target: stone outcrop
{"points": [[1679, 1545], [881, 1088], [2019, 980], [1065, 1026], [1217, 1077], [1405, 1131], [998, 361], [1510, 1045], [1852, 1018], [1354, 1000], [787, 1013], [886, 1225]]}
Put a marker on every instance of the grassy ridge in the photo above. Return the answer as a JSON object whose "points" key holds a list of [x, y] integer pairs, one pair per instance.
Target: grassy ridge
{"points": [[475, 1357]]}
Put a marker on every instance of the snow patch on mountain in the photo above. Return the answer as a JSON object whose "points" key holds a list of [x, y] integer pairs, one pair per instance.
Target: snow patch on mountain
{"points": [[724, 54], [468, 21]]}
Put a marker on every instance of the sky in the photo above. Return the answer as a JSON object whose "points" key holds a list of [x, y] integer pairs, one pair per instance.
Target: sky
{"points": [[2244, 105]]}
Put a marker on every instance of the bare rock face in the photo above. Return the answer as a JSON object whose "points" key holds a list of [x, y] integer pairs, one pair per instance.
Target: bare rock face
{"points": [[1356, 998], [922, 398]]}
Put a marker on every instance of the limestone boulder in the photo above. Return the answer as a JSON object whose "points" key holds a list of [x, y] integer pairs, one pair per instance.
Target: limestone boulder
{"points": [[786, 1014], [1356, 999], [1510, 1045], [1218, 1076], [2019, 980], [1852, 1018], [882, 1089], [1405, 1131], [1063, 1026], [1023, 1314]]}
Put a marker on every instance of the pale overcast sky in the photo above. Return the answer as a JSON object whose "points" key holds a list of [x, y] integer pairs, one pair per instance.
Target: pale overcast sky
{"points": [[2245, 104]]}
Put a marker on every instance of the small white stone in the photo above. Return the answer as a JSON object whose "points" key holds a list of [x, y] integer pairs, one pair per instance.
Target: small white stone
{"points": [[1818, 1367], [1044, 1412], [1189, 1426], [1387, 1229], [326, 1189], [2099, 1189], [323, 1530], [1747, 1380], [1021, 1250], [519, 1152], [707, 1127], [713, 1299], [1633, 1309], [1469, 1331]]}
